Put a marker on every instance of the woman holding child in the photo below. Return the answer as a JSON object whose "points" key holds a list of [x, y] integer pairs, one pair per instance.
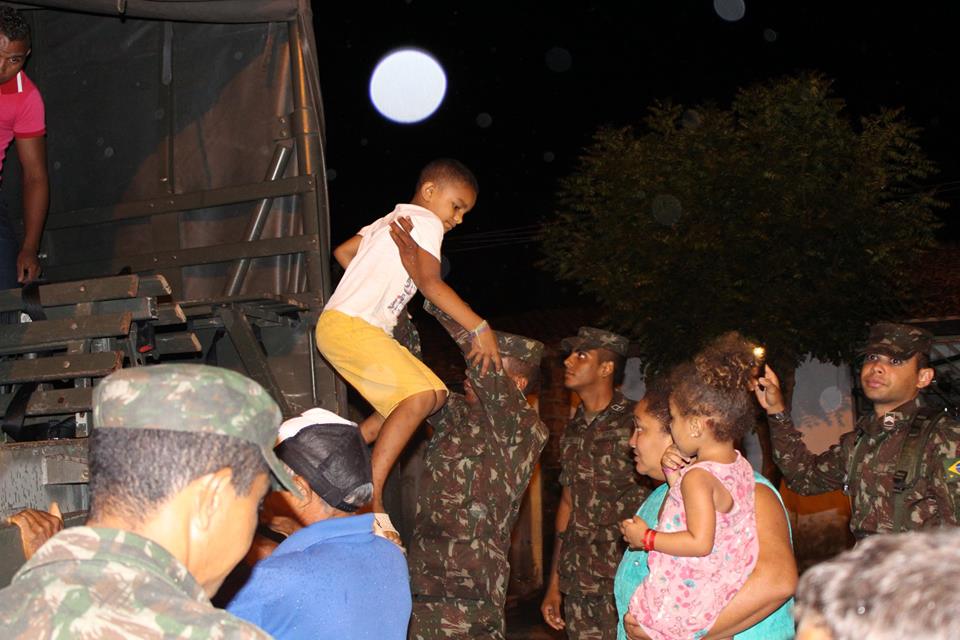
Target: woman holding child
{"points": [[703, 539]]}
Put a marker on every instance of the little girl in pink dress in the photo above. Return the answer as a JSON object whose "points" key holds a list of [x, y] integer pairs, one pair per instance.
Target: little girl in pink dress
{"points": [[705, 545]]}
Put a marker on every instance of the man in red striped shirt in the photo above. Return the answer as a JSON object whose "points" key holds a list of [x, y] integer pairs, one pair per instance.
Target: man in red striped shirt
{"points": [[21, 119]]}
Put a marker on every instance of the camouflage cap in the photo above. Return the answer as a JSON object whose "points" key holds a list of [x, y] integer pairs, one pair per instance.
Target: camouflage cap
{"points": [[592, 338], [897, 340], [195, 398], [514, 346]]}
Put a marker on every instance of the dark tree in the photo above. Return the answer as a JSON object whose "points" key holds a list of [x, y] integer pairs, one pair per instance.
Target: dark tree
{"points": [[778, 217]]}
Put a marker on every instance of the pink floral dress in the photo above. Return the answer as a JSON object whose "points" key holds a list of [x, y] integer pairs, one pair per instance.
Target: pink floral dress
{"points": [[682, 596]]}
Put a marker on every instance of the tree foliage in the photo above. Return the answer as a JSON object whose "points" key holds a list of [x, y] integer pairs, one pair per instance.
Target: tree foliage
{"points": [[777, 217]]}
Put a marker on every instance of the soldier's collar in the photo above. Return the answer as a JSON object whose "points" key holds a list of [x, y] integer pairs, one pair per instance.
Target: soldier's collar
{"points": [[901, 415]]}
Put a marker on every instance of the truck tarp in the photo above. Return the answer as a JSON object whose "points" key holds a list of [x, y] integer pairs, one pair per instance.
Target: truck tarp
{"points": [[220, 11]]}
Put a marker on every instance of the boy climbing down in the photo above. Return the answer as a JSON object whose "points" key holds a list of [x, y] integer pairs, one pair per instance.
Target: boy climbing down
{"points": [[355, 331]]}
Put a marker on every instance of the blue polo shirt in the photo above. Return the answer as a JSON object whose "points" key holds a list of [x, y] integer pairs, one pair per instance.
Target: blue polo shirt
{"points": [[333, 579]]}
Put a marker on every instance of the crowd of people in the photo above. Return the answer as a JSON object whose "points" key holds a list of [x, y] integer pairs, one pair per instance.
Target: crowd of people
{"points": [[193, 474]]}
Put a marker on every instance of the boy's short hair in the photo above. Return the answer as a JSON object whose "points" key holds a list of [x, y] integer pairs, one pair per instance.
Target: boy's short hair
{"points": [[889, 586], [443, 170], [13, 25]]}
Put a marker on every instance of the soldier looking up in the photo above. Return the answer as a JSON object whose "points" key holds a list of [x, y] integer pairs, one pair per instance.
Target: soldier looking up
{"points": [[899, 466], [477, 466], [180, 458], [600, 488]]}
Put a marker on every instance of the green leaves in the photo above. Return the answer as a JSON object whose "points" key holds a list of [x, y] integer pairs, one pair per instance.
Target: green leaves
{"points": [[776, 217]]}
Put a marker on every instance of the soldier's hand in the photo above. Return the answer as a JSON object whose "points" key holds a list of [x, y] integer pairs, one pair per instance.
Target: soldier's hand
{"points": [[550, 609], [406, 245], [768, 392], [28, 266], [36, 527], [633, 630], [485, 351]]}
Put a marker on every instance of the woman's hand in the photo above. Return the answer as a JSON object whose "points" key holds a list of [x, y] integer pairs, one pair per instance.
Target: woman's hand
{"points": [[633, 530]]}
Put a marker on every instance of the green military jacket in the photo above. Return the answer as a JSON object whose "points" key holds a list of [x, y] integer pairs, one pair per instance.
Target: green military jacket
{"points": [[934, 499], [107, 583], [604, 489], [477, 466]]}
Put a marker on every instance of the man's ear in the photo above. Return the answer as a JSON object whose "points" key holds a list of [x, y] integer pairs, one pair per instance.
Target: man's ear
{"points": [[606, 369], [521, 382], [209, 497], [305, 491], [925, 377]]}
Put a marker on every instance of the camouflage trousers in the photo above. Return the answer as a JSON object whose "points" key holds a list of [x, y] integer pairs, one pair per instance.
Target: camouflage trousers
{"points": [[590, 617], [438, 617]]}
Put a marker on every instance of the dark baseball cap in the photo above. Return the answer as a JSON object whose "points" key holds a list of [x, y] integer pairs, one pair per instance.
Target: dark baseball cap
{"points": [[329, 453], [897, 340], [588, 338]]}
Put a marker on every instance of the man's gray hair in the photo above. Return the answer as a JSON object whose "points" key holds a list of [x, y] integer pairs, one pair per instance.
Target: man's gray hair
{"points": [[361, 496], [888, 587]]}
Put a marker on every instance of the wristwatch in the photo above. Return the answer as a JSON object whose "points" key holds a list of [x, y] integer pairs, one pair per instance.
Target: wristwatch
{"points": [[781, 417]]}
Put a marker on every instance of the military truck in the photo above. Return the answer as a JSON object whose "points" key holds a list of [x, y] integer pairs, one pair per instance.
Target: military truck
{"points": [[188, 221]]}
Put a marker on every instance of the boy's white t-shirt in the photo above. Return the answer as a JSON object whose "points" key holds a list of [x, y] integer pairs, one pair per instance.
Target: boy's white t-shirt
{"points": [[375, 286]]}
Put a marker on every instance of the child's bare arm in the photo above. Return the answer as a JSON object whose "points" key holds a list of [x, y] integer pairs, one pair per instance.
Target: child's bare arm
{"points": [[424, 269], [697, 488], [346, 251], [633, 530]]}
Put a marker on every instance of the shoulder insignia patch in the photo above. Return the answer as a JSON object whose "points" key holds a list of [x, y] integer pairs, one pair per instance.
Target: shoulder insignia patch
{"points": [[952, 468]]}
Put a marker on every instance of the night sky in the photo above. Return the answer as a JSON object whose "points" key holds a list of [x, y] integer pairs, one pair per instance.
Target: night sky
{"points": [[543, 77]]}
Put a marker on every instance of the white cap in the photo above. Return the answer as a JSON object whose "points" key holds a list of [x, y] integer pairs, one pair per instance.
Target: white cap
{"points": [[309, 418]]}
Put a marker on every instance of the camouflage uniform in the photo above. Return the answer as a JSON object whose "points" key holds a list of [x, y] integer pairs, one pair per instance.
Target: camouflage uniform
{"points": [[604, 489], [478, 464], [96, 582], [866, 459], [102, 583]]}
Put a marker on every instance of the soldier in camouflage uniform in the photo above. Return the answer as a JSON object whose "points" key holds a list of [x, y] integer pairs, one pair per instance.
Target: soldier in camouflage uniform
{"points": [[180, 458], [478, 464], [899, 466], [600, 488]]}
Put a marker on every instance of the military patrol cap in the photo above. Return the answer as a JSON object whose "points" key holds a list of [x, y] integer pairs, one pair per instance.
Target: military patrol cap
{"points": [[514, 346], [897, 340], [193, 398], [592, 338]]}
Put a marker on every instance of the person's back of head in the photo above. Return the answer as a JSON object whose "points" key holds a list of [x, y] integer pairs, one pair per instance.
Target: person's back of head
{"points": [[330, 459], [165, 431], [716, 385], [888, 587], [13, 26]]}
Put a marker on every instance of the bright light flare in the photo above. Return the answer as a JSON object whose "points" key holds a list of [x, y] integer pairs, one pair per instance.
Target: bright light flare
{"points": [[407, 86]]}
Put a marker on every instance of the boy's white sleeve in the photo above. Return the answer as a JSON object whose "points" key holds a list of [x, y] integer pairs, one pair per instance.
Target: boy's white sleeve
{"points": [[428, 233]]}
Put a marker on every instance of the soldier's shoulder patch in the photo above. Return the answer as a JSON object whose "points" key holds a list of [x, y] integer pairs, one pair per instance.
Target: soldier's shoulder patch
{"points": [[951, 468]]}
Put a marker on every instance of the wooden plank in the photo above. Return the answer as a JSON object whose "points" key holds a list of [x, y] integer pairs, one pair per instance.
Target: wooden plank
{"points": [[45, 335], [154, 285], [179, 342], [57, 401], [61, 293], [87, 365], [139, 308], [168, 314]]}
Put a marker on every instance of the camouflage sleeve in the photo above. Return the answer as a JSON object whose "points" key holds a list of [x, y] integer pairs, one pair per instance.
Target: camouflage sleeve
{"points": [[461, 336], [806, 473], [453, 413], [405, 332], [943, 456], [513, 418]]}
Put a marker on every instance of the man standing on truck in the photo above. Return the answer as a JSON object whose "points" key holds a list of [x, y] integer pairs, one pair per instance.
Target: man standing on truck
{"points": [[21, 119]]}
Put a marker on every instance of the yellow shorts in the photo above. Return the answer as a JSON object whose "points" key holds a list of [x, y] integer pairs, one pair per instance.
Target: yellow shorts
{"points": [[375, 364]]}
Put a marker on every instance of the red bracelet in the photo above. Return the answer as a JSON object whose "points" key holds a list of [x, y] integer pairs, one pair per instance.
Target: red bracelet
{"points": [[648, 539]]}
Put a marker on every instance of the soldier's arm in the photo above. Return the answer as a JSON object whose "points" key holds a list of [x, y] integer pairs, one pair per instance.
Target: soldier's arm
{"points": [[805, 472], [453, 413], [943, 456], [550, 608]]}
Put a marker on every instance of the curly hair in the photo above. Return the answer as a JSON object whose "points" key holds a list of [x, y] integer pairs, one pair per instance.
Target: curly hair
{"points": [[13, 25], [716, 385]]}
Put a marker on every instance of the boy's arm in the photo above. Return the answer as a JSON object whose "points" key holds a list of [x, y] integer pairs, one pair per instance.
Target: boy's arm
{"points": [[424, 269], [347, 251]]}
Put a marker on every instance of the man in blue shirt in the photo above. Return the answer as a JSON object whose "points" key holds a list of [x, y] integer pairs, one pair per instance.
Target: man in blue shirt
{"points": [[333, 578]]}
